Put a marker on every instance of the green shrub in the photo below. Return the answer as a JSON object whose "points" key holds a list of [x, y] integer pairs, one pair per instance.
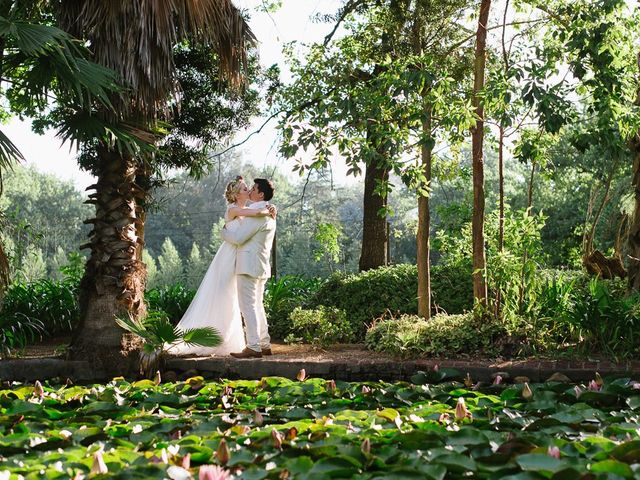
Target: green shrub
{"points": [[321, 327], [584, 313], [443, 336], [368, 295], [39, 309], [282, 296], [172, 300]]}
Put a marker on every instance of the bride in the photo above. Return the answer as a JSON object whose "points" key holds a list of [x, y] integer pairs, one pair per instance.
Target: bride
{"points": [[216, 301]]}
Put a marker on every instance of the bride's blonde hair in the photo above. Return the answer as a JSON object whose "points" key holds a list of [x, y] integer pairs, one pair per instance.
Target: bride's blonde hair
{"points": [[233, 188]]}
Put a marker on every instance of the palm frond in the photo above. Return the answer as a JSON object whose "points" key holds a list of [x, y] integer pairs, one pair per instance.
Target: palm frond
{"points": [[132, 326], [83, 126], [9, 153], [149, 31], [50, 53], [162, 330], [201, 337]]}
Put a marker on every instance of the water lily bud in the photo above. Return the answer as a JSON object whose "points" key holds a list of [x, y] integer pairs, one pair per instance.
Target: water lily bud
{"points": [[223, 452], [635, 385], [213, 472], [330, 386], [157, 379], [365, 390], [593, 386], [38, 391], [164, 458], [554, 452], [302, 375], [527, 394], [292, 433], [436, 368], [98, 467], [186, 461], [365, 447], [467, 381], [461, 409], [258, 419], [497, 380], [599, 380], [228, 391], [277, 438]]}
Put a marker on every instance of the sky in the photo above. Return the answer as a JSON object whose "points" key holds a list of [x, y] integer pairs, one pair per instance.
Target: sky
{"points": [[293, 21]]}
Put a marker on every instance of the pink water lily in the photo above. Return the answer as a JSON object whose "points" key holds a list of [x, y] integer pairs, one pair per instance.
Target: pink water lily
{"points": [[330, 385], [497, 380], [461, 410], [38, 391], [213, 472], [186, 461], [365, 447], [578, 391], [99, 466], [527, 394], [593, 386], [553, 452], [277, 438], [258, 418], [223, 453]]}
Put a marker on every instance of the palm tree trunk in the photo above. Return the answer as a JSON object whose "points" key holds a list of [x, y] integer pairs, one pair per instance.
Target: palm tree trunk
{"points": [[424, 227], [114, 279], [373, 253], [477, 140]]}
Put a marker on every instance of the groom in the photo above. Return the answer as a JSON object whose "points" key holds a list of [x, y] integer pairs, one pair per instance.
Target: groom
{"points": [[254, 239]]}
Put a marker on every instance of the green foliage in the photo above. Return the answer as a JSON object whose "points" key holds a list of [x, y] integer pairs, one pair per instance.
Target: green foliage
{"points": [[282, 296], [196, 267], [173, 300], [587, 314], [152, 270], [513, 271], [41, 309], [157, 331], [367, 295], [327, 236], [320, 327], [323, 429], [170, 269], [447, 336]]}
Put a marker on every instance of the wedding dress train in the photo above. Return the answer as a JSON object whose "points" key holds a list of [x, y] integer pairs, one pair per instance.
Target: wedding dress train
{"points": [[216, 305]]}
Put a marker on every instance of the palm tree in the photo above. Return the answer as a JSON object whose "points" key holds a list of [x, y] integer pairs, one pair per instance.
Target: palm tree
{"points": [[40, 63], [136, 39]]}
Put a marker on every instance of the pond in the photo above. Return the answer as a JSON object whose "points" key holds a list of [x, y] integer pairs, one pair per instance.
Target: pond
{"points": [[438, 426]]}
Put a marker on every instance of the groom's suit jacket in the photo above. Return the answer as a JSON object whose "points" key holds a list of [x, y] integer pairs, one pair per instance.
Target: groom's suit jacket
{"points": [[254, 238]]}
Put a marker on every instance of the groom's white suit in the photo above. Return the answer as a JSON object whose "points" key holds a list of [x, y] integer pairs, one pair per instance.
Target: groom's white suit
{"points": [[254, 238]]}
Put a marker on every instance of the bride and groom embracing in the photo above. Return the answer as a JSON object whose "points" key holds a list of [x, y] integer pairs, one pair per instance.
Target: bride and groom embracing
{"points": [[233, 287]]}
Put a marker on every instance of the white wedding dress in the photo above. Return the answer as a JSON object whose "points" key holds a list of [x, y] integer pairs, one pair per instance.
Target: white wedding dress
{"points": [[216, 305]]}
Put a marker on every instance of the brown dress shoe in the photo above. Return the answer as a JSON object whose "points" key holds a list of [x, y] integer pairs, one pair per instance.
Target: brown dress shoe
{"points": [[247, 353], [267, 351]]}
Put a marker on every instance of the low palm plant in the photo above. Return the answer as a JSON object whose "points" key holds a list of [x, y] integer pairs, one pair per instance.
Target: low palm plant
{"points": [[160, 336]]}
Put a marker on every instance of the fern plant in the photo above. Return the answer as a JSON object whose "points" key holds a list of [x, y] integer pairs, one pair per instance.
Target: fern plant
{"points": [[160, 336]]}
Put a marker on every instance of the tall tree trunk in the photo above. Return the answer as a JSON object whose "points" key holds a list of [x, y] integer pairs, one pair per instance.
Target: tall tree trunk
{"points": [[477, 140], [424, 226], [114, 279], [498, 308], [634, 226], [374, 227]]}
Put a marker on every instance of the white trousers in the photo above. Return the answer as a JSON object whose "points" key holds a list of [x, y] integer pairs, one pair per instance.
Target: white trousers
{"points": [[251, 298]]}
